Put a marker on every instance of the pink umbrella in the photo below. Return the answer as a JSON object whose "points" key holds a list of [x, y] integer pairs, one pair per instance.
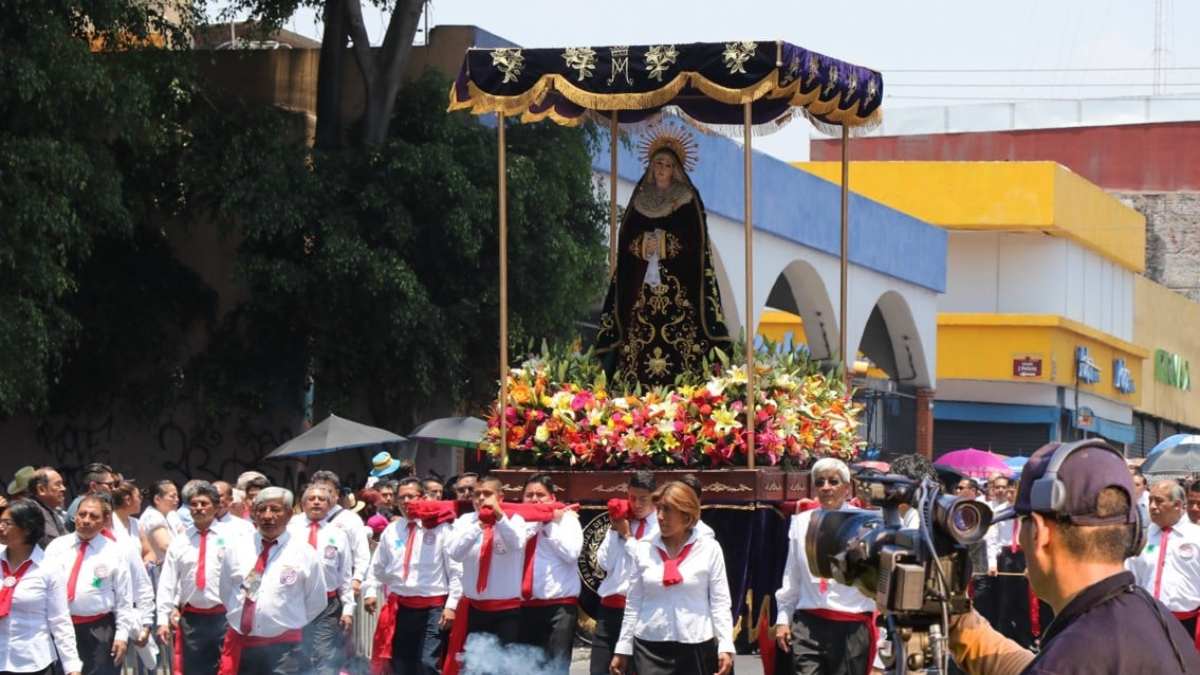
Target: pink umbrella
{"points": [[975, 463]]}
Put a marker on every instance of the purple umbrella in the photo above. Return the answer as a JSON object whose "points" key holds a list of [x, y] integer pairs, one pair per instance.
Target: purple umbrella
{"points": [[975, 463]]}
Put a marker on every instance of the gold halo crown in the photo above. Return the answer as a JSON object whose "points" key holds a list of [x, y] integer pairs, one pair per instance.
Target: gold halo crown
{"points": [[673, 138]]}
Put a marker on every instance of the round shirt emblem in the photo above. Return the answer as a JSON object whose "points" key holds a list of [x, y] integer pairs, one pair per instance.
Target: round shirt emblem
{"points": [[9, 582], [288, 577], [330, 552], [1188, 551], [593, 537], [102, 571], [429, 538]]}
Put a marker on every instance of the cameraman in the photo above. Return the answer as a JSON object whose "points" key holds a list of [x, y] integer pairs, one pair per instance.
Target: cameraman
{"points": [[1104, 623]]}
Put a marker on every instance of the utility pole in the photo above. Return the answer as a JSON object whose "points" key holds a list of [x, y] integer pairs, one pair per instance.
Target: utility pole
{"points": [[1161, 21]]}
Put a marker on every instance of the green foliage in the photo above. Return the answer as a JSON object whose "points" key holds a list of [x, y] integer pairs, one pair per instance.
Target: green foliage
{"points": [[89, 128]]}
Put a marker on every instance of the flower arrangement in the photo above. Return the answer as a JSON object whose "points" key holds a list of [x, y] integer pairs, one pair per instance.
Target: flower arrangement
{"points": [[561, 413]]}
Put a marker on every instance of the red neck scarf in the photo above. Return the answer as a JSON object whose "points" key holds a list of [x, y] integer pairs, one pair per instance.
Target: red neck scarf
{"points": [[487, 520], [9, 585], [671, 575]]}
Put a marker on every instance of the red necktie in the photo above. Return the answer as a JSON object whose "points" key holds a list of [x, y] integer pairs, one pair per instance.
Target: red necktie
{"points": [[313, 526], [75, 570], [108, 534], [671, 575], [260, 566], [200, 561], [9, 587], [527, 575], [408, 547], [1015, 545], [641, 529], [1162, 558], [487, 520]]}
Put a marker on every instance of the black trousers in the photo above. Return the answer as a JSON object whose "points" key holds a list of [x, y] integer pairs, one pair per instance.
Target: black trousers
{"points": [[202, 636], [418, 644], [1012, 615], [48, 670], [277, 659], [604, 639], [505, 624], [94, 641], [824, 647], [324, 641], [674, 658], [551, 628]]}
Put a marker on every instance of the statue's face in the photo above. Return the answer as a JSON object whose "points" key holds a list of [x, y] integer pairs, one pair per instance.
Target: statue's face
{"points": [[663, 168]]}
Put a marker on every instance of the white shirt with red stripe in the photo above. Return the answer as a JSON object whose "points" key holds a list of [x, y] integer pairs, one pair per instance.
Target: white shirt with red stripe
{"points": [[1178, 579], [431, 570], [177, 581], [801, 590], [556, 558], [690, 612], [38, 620], [508, 556], [292, 590], [615, 556], [102, 585], [336, 554]]}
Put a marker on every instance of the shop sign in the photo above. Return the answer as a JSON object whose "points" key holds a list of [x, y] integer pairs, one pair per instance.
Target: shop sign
{"points": [[1085, 419], [1172, 370], [1027, 367], [1086, 370], [1122, 377]]}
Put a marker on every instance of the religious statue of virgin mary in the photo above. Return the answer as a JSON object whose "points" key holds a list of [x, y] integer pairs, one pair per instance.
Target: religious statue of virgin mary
{"points": [[662, 314]]}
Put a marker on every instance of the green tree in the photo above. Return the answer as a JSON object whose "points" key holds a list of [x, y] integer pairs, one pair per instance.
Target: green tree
{"points": [[90, 117]]}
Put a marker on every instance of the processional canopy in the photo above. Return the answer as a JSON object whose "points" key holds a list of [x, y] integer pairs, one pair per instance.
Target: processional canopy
{"points": [[707, 82]]}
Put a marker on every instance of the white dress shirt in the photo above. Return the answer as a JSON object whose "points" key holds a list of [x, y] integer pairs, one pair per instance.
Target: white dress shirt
{"points": [[360, 541], [177, 582], [143, 588], [615, 556], [801, 590], [337, 558], [1180, 585], [235, 527], [292, 590], [999, 535], [38, 621], [431, 570], [556, 558], [691, 612], [508, 556], [103, 585]]}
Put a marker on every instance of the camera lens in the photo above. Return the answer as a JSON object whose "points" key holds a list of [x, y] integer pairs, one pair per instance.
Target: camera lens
{"points": [[965, 520]]}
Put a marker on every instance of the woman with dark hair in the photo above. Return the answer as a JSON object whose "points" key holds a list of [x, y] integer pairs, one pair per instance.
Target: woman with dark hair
{"points": [[160, 521], [34, 616], [550, 579]]}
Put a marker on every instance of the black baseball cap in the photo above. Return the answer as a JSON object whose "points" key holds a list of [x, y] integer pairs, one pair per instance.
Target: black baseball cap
{"points": [[1086, 473]]}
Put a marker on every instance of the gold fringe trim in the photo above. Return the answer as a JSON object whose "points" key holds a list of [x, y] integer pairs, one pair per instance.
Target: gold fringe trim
{"points": [[629, 101]]}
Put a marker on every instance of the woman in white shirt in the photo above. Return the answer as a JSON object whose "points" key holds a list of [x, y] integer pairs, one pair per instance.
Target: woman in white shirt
{"points": [[158, 522], [678, 616], [34, 618]]}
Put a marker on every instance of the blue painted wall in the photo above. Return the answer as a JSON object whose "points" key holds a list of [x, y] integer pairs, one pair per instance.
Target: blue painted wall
{"points": [[800, 207]]}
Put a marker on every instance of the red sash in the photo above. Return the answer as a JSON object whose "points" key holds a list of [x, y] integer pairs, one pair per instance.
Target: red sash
{"points": [[80, 620], [458, 633], [1035, 612], [1194, 614], [235, 642], [549, 602], [385, 630], [865, 618], [613, 601]]}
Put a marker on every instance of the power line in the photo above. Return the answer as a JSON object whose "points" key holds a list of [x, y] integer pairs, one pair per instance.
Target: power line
{"points": [[1034, 70]]}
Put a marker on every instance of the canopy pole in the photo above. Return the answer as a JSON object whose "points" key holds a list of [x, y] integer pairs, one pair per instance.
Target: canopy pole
{"points": [[503, 192], [749, 227], [612, 194], [847, 363]]}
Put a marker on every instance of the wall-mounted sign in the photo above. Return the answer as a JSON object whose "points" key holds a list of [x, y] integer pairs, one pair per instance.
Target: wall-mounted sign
{"points": [[1172, 370], [1122, 377], [1027, 366], [1086, 370], [1085, 419]]}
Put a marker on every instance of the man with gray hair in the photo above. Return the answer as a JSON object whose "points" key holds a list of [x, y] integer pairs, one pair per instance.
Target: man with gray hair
{"points": [[350, 523], [1169, 566], [272, 586], [825, 627], [325, 637]]}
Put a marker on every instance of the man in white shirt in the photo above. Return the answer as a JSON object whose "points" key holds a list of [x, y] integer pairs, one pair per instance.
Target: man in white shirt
{"points": [[99, 591], [491, 547], [1193, 501], [325, 637], [826, 627], [351, 524], [230, 524], [272, 586], [140, 583], [550, 581], [189, 594], [421, 586], [616, 556], [1169, 566]]}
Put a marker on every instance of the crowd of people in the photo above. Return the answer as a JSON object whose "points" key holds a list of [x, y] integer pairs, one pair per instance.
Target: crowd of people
{"points": [[247, 577]]}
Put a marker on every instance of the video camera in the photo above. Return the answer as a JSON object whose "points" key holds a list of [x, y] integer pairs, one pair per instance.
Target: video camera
{"points": [[918, 577]]}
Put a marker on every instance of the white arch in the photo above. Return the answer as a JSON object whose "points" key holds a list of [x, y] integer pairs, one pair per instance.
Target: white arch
{"points": [[907, 344], [816, 308]]}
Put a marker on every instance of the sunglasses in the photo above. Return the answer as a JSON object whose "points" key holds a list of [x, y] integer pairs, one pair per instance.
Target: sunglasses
{"points": [[831, 482]]}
